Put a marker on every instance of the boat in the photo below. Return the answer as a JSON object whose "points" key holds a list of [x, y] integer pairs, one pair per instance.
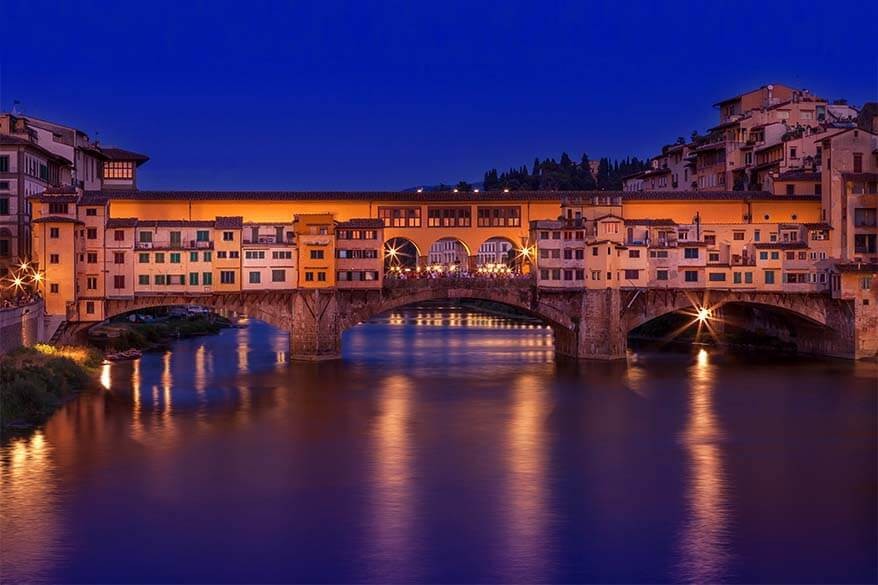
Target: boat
{"points": [[128, 354]]}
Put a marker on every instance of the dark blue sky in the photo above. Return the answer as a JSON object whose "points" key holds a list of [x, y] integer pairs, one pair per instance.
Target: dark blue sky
{"points": [[347, 95]]}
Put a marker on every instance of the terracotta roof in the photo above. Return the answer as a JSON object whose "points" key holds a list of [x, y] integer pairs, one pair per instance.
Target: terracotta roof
{"points": [[49, 198], [653, 222], [113, 153], [799, 176], [157, 223], [818, 226], [780, 245], [56, 219], [858, 267], [92, 198], [61, 190], [121, 222], [361, 224], [223, 222], [10, 140]]}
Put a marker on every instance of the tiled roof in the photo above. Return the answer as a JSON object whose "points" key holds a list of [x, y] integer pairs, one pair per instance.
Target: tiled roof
{"points": [[817, 226], [858, 267], [361, 224], [652, 222], [10, 140], [437, 196], [60, 190], [780, 245], [157, 223], [49, 198], [92, 198], [56, 219], [121, 222], [113, 153], [799, 176], [229, 222]]}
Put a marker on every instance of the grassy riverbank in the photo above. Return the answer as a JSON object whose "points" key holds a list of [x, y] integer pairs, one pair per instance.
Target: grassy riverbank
{"points": [[34, 382], [122, 335]]}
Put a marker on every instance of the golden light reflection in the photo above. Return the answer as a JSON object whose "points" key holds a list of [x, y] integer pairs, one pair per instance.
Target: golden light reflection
{"points": [[243, 347], [704, 539], [393, 522], [105, 375], [136, 423], [526, 490], [30, 528]]}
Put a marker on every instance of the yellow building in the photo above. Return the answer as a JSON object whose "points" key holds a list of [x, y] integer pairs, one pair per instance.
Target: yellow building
{"points": [[315, 237]]}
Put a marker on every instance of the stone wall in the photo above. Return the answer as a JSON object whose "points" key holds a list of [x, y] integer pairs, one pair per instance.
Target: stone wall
{"points": [[21, 326]]}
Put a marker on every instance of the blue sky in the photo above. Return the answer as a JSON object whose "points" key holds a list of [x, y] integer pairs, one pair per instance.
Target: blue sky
{"points": [[369, 95]]}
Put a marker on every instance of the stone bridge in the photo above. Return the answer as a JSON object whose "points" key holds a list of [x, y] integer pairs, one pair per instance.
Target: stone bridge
{"points": [[587, 323]]}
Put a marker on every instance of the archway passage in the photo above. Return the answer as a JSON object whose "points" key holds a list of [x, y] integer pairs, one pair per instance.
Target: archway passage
{"points": [[400, 255], [498, 255], [449, 255]]}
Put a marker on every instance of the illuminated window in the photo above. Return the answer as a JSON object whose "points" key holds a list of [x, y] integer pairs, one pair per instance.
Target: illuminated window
{"points": [[117, 169]]}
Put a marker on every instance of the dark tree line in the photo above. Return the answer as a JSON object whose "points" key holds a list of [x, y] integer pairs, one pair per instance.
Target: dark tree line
{"points": [[565, 175]]}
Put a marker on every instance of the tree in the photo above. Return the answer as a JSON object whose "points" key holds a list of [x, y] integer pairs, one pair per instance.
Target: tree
{"points": [[464, 186]]}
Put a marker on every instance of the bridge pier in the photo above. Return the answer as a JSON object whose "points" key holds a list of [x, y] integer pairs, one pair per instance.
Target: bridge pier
{"points": [[315, 331], [597, 332]]}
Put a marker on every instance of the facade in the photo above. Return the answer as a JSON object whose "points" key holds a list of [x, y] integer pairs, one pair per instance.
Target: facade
{"points": [[36, 155]]}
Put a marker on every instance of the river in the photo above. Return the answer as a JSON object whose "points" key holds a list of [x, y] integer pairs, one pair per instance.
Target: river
{"points": [[448, 446]]}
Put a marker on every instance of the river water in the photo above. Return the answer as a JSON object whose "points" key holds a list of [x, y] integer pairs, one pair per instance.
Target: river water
{"points": [[448, 446]]}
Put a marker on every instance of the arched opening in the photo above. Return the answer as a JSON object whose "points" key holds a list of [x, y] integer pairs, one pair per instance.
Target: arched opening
{"points": [[449, 256], [400, 255], [735, 324], [155, 326], [499, 255]]}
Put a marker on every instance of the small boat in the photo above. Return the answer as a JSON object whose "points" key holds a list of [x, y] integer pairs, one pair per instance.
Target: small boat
{"points": [[128, 354]]}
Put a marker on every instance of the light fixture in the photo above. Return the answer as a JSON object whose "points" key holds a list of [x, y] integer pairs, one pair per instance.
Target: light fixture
{"points": [[703, 314]]}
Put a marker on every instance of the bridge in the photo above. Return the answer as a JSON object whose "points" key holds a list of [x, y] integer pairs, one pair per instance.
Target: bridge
{"points": [[587, 323]]}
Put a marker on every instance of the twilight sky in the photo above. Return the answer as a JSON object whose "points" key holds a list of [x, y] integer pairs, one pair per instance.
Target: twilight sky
{"points": [[369, 95]]}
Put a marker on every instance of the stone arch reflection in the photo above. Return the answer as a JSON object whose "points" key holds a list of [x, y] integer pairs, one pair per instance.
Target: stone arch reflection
{"points": [[704, 539]]}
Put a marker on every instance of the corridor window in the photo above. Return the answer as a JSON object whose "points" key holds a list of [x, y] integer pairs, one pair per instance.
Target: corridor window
{"points": [[499, 216], [449, 217], [400, 216]]}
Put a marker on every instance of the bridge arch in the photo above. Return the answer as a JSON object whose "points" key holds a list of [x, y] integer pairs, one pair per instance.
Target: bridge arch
{"points": [[449, 252], [401, 252], [497, 250]]}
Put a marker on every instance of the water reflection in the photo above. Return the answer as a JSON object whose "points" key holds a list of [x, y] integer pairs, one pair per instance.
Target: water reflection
{"points": [[704, 539], [392, 518], [527, 499], [31, 531]]}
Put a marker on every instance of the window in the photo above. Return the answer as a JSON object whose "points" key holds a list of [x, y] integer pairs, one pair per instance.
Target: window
{"points": [[278, 275], [580, 254], [309, 276], [544, 235], [207, 256], [716, 277], [4, 163], [160, 258], [143, 258], [207, 278], [568, 254], [54, 233], [227, 277], [499, 216], [795, 277], [119, 281], [449, 217], [255, 277], [690, 253], [690, 276], [118, 257], [119, 169], [580, 274], [4, 205], [54, 288], [254, 254], [791, 189], [57, 208], [595, 274], [175, 257], [763, 255], [568, 275], [316, 254], [858, 162], [144, 237], [193, 256], [661, 275], [710, 239], [119, 236], [775, 255], [866, 283], [176, 239], [234, 254], [90, 307], [228, 236], [91, 283], [757, 235], [864, 243], [160, 279], [736, 278], [769, 276], [632, 274], [91, 233], [865, 217], [92, 257], [713, 257], [738, 236], [143, 279], [400, 216], [202, 236], [321, 276], [193, 279], [634, 253]]}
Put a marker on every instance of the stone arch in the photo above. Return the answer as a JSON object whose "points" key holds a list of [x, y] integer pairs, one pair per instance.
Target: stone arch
{"points": [[402, 252], [496, 250], [451, 253]]}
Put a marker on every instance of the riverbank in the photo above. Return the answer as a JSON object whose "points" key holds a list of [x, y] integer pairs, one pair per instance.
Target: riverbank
{"points": [[36, 381], [153, 335]]}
